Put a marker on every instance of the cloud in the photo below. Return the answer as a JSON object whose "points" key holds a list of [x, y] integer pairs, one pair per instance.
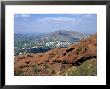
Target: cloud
{"points": [[49, 23], [87, 15], [22, 15], [90, 16], [57, 20], [26, 15]]}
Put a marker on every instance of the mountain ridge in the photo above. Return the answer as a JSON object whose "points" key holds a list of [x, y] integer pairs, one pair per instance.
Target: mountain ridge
{"points": [[65, 35]]}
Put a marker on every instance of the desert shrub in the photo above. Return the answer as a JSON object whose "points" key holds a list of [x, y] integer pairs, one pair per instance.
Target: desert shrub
{"points": [[88, 68], [18, 72], [46, 66], [79, 50], [36, 69], [53, 72], [64, 61]]}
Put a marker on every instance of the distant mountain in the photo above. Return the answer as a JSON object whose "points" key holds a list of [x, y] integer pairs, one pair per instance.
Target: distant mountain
{"points": [[60, 35], [63, 35]]}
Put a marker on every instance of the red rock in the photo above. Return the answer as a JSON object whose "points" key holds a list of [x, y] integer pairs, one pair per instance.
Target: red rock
{"points": [[84, 49]]}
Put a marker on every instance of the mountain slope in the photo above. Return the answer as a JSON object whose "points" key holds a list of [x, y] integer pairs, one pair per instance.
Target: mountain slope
{"points": [[56, 60], [64, 35]]}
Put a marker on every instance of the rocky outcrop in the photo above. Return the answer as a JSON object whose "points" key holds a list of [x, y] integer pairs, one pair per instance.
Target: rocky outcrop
{"points": [[60, 58]]}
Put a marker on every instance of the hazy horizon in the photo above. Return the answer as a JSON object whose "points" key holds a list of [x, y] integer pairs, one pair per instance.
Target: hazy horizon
{"points": [[46, 23]]}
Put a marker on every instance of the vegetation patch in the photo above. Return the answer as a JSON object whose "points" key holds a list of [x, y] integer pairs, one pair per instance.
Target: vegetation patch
{"points": [[81, 49], [18, 72], [88, 68], [36, 69]]}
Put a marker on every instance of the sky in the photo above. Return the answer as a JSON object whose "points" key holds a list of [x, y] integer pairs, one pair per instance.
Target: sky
{"points": [[44, 23]]}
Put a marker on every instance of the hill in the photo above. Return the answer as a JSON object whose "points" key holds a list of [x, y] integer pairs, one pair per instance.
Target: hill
{"points": [[43, 42], [59, 60], [64, 35]]}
